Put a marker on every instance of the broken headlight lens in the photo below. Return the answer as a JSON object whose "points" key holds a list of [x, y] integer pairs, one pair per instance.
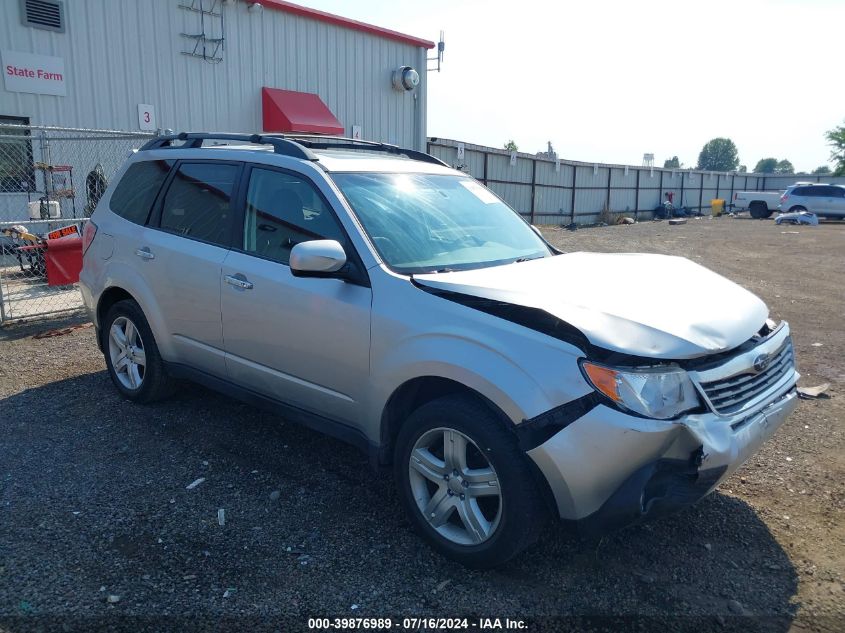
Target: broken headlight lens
{"points": [[654, 392]]}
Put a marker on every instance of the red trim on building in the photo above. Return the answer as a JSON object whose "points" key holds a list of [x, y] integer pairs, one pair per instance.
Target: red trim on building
{"points": [[355, 25], [291, 111]]}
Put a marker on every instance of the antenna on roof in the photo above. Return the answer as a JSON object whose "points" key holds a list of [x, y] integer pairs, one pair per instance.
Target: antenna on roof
{"points": [[441, 46]]}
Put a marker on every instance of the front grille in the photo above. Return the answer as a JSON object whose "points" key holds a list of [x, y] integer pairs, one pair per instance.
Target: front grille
{"points": [[730, 395]]}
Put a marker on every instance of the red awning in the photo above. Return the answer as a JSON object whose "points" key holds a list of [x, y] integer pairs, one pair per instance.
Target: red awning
{"points": [[290, 111]]}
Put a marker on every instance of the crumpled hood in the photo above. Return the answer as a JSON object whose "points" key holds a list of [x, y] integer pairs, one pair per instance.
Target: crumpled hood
{"points": [[657, 306]]}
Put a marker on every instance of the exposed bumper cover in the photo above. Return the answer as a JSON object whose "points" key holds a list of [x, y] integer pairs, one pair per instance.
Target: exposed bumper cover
{"points": [[609, 469]]}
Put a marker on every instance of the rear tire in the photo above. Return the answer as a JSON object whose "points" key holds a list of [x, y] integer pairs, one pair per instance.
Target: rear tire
{"points": [[759, 210], [132, 358], [797, 209], [447, 456]]}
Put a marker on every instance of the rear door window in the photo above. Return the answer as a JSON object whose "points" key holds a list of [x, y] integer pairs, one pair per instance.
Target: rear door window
{"points": [[198, 202], [137, 190]]}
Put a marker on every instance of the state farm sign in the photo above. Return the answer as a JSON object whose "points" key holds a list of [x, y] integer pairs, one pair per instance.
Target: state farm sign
{"points": [[38, 74]]}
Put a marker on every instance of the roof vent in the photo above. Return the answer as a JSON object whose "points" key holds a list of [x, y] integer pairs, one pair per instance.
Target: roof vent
{"points": [[43, 14]]}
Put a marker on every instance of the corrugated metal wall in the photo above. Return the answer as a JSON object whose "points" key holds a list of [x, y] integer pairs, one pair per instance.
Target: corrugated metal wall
{"points": [[121, 54], [578, 192]]}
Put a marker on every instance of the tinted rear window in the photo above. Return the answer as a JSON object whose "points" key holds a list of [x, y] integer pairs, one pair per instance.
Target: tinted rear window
{"points": [[137, 190], [197, 203]]}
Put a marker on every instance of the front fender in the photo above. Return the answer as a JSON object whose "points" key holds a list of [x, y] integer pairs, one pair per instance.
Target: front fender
{"points": [[470, 363]]}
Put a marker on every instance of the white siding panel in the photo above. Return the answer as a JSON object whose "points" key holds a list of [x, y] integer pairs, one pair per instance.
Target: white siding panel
{"points": [[120, 54]]}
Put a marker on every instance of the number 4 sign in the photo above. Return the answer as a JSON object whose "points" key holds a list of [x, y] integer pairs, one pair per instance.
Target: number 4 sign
{"points": [[146, 117]]}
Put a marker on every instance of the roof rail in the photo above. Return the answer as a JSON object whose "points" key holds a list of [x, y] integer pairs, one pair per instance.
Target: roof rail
{"points": [[323, 141], [191, 140]]}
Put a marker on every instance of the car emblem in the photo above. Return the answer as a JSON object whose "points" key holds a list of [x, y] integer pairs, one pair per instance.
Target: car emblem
{"points": [[761, 362]]}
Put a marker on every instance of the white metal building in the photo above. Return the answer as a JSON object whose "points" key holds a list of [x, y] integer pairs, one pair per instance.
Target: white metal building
{"points": [[200, 65]]}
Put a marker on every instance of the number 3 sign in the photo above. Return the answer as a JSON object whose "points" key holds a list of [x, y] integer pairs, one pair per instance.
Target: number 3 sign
{"points": [[146, 117]]}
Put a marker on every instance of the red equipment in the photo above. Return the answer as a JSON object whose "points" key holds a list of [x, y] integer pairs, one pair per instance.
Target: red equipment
{"points": [[63, 259]]}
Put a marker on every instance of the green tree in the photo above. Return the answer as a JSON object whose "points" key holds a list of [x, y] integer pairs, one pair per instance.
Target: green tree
{"points": [[784, 167], [672, 163], [718, 154], [511, 146], [766, 166], [742, 169], [836, 139], [821, 170]]}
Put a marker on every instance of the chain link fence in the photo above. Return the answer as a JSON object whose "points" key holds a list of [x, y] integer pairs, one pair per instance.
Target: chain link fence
{"points": [[33, 283], [50, 180]]}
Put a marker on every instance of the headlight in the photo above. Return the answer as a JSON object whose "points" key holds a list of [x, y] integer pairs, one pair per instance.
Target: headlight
{"points": [[655, 392]]}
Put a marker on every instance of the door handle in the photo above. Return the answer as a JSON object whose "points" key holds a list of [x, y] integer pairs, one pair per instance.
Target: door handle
{"points": [[145, 253], [238, 282]]}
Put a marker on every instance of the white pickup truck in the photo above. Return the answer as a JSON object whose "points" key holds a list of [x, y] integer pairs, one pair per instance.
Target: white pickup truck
{"points": [[761, 204]]}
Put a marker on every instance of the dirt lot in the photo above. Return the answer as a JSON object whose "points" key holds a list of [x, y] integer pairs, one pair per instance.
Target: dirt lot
{"points": [[94, 498]]}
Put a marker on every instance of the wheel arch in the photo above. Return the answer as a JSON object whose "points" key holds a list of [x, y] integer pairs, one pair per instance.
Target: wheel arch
{"points": [[414, 393], [108, 298], [418, 391]]}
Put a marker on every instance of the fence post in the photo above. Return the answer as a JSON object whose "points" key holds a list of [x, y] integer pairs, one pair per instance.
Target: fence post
{"points": [[484, 179], [533, 186], [572, 207], [609, 174], [700, 191], [660, 194], [637, 198], [2, 302], [682, 189], [733, 183]]}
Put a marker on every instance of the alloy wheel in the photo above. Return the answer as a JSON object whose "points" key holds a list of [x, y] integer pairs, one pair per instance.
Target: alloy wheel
{"points": [[455, 486], [126, 350]]}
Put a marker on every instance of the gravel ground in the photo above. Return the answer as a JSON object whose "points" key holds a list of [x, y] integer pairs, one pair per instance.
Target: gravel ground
{"points": [[98, 527]]}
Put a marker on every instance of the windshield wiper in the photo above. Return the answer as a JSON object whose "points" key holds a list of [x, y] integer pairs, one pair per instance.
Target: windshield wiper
{"points": [[519, 260]]}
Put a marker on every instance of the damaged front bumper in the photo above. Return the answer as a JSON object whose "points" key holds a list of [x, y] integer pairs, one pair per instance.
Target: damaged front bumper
{"points": [[608, 469]]}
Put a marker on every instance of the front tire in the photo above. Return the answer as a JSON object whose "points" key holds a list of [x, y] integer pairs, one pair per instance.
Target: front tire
{"points": [[132, 358], [465, 483], [797, 209]]}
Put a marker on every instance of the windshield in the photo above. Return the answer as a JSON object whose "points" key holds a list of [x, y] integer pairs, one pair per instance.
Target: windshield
{"points": [[423, 223]]}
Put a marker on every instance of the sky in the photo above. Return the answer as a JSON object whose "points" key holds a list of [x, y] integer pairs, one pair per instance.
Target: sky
{"points": [[608, 81]]}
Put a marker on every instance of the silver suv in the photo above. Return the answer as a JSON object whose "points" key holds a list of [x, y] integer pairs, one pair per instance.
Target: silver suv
{"points": [[823, 200], [381, 297]]}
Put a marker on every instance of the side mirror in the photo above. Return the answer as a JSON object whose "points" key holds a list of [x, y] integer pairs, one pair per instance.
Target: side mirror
{"points": [[317, 258]]}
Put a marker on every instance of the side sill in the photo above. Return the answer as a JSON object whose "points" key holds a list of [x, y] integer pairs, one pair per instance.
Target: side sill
{"points": [[291, 413]]}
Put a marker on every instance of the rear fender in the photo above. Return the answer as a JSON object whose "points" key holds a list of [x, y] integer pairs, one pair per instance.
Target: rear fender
{"points": [[127, 278]]}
